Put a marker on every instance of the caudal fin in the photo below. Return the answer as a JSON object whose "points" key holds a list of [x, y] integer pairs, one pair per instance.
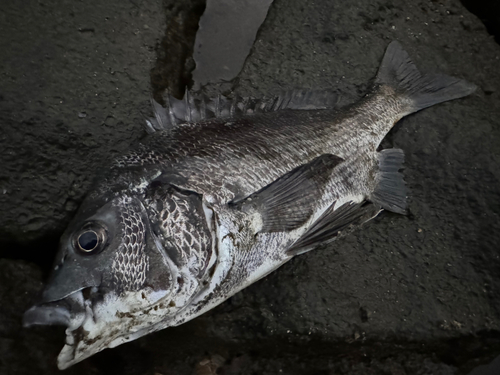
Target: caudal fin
{"points": [[420, 90]]}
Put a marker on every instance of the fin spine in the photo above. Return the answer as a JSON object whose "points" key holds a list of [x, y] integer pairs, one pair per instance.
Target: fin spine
{"points": [[198, 107]]}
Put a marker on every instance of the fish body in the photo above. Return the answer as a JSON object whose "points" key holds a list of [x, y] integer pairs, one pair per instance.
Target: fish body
{"points": [[204, 208]]}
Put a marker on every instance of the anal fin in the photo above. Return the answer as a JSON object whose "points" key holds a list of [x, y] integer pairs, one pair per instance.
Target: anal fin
{"points": [[390, 192], [333, 223]]}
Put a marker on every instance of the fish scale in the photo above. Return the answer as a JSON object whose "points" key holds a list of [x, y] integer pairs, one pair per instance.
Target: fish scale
{"points": [[293, 145], [308, 135]]}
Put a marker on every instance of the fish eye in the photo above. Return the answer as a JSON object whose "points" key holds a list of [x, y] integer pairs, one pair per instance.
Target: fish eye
{"points": [[90, 239]]}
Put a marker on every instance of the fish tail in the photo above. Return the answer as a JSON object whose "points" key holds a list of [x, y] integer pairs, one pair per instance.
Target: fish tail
{"points": [[418, 90]]}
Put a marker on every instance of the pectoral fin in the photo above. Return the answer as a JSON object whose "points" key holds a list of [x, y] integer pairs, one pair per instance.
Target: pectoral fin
{"points": [[288, 202]]}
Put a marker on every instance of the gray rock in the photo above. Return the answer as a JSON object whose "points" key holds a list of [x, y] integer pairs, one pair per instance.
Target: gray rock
{"points": [[226, 35]]}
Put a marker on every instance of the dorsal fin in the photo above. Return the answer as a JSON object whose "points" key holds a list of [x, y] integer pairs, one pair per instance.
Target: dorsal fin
{"points": [[195, 108]]}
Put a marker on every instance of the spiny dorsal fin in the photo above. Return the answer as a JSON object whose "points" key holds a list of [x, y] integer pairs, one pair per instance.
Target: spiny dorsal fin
{"points": [[288, 202], [195, 108]]}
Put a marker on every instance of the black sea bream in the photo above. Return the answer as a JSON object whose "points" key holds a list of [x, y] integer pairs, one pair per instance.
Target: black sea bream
{"points": [[204, 208]]}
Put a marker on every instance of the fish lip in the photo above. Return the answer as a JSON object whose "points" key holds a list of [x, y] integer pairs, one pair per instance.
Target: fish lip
{"points": [[46, 315], [69, 312], [48, 297]]}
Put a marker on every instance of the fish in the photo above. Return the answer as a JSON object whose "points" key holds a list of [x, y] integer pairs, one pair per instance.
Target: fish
{"points": [[222, 193]]}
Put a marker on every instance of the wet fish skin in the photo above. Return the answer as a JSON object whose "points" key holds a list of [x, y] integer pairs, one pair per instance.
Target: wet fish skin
{"points": [[203, 209]]}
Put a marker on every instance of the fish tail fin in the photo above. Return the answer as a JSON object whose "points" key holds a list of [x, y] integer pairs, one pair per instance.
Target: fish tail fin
{"points": [[418, 90]]}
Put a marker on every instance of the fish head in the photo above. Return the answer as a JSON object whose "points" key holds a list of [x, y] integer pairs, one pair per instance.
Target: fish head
{"points": [[110, 282]]}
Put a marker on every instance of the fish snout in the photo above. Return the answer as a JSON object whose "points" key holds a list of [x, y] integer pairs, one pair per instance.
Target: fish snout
{"points": [[68, 312]]}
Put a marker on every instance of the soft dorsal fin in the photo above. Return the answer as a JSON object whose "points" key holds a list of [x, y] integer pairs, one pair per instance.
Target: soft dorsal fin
{"points": [[288, 202], [195, 108]]}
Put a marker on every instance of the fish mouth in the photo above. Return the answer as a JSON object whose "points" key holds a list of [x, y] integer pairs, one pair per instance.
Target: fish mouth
{"points": [[96, 321], [69, 312]]}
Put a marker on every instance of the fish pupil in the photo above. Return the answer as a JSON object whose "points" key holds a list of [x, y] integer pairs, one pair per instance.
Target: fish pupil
{"points": [[88, 241]]}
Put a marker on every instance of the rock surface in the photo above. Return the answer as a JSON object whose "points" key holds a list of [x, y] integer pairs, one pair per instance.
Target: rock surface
{"points": [[225, 37], [406, 295]]}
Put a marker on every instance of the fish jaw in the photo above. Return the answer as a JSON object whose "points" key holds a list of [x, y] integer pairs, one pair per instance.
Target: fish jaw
{"points": [[103, 323], [69, 312]]}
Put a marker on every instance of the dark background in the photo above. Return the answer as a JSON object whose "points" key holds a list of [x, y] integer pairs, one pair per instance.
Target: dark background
{"points": [[416, 294], [488, 11]]}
